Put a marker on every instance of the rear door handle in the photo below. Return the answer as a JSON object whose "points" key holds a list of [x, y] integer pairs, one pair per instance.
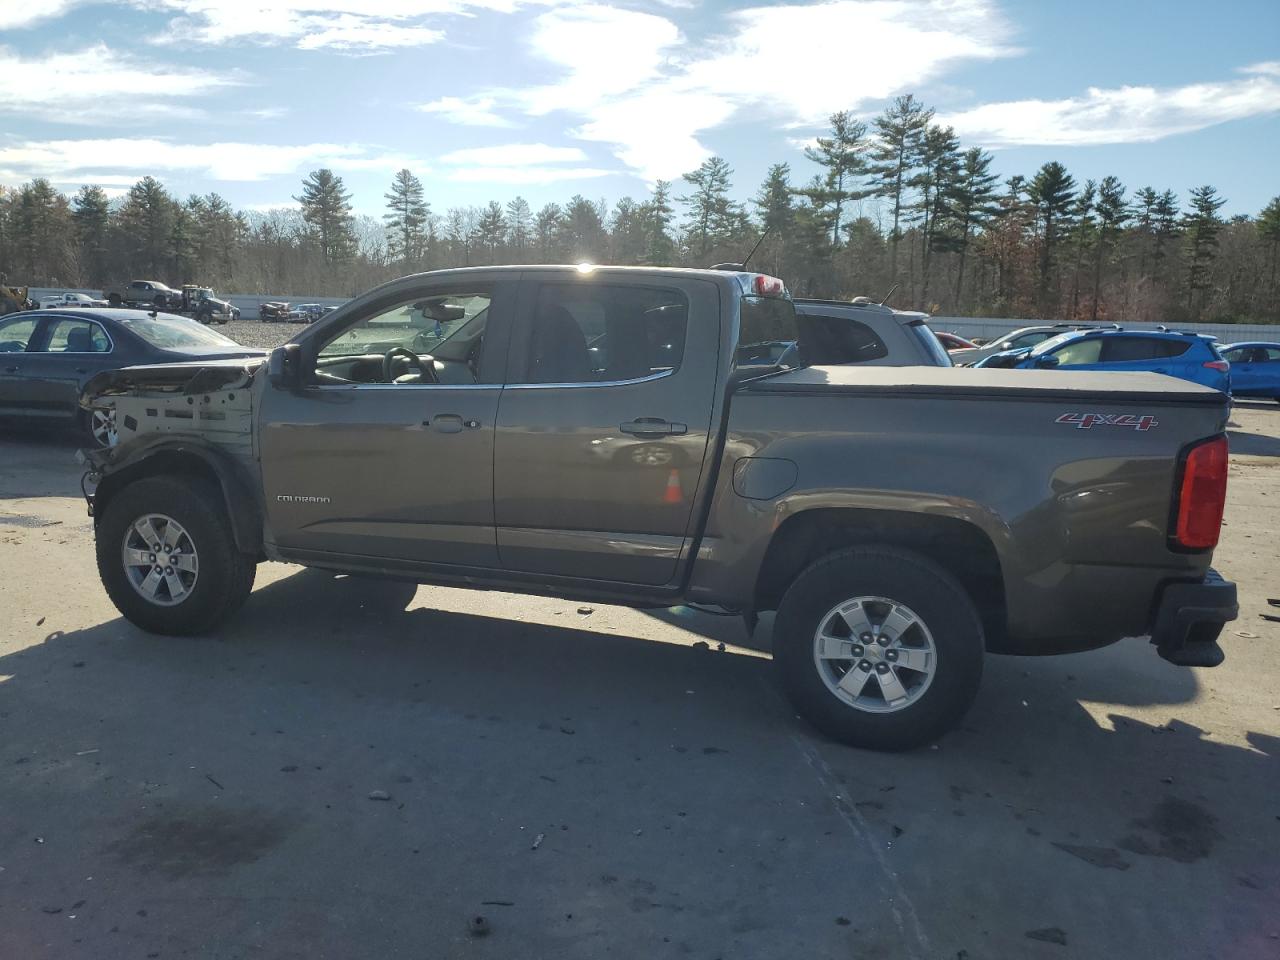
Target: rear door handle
{"points": [[652, 427], [10, 369]]}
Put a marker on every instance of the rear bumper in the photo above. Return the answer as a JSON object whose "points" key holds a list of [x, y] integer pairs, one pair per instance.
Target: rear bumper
{"points": [[1189, 617]]}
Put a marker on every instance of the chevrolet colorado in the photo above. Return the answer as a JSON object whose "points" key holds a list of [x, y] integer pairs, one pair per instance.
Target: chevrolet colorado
{"points": [[646, 436]]}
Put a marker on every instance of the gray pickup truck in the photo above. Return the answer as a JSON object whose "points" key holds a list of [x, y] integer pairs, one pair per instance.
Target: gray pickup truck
{"points": [[647, 437]]}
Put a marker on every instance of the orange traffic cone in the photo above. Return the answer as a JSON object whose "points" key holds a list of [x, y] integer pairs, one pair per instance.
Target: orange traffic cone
{"points": [[673, 493]]}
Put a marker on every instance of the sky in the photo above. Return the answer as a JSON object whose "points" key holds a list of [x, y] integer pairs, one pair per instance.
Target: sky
{"points": [[489, 99]]}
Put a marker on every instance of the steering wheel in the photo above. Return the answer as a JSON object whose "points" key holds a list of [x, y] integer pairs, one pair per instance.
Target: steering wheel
{"points": [[428, 369]]}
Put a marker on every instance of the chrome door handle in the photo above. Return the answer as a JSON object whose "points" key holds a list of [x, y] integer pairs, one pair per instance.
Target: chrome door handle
{"points": [[652, 427]]}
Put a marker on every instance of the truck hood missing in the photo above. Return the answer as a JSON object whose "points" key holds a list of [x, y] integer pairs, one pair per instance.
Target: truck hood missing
{"points": [[961, 382], [188, 377]]}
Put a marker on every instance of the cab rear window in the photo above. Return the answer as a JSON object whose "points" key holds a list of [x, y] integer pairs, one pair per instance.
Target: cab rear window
{"points": [[768, 334]]}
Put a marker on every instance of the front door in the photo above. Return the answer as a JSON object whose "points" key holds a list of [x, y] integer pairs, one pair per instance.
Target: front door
{"points": [[387, 451], [18, 334], [604, 424]]}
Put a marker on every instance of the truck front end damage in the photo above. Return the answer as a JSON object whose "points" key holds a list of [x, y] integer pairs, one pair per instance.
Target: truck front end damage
{"points": [[203, 409]]}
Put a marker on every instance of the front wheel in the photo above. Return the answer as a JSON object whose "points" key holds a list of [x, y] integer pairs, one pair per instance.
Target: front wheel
{"points": [[167, 557], [879, 647], [100, 427]]}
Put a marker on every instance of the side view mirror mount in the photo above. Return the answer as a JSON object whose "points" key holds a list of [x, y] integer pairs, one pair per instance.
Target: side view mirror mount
{"points": [[1047, 362], [284, 367]]}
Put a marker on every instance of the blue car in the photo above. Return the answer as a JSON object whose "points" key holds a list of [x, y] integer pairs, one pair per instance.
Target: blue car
{"points": [[1255, 369], [1190, 356]]}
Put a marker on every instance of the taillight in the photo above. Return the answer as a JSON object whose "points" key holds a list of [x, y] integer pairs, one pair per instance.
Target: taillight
{"points": [[1220, 365], [1202, 493], [768, 286]]}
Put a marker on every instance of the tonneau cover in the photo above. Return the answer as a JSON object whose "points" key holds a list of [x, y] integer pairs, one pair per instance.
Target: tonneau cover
{"points": [[959, 382]]}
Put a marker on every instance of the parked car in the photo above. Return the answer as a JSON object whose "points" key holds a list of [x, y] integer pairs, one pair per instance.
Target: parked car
{"points": [[901, 521], [273, 311], [151, 293], [312, 312], [58, 300], [861, 331], [1255, 369], [952, 342], [1188, 356], [47, 356], [1020, 339]]}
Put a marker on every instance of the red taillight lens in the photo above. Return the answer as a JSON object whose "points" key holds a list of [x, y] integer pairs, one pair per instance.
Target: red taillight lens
{"points": [[768, 286], [1220, 365], [1202, 495]]}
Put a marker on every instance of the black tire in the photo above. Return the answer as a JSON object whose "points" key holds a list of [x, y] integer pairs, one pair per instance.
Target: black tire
{"points": [[225, 575], [937, 600]]}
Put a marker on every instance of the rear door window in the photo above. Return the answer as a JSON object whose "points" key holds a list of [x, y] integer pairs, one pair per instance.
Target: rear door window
{"points": [[605, 333], [1272, 354], [838, 340], [1128, 349], [77, 336]]}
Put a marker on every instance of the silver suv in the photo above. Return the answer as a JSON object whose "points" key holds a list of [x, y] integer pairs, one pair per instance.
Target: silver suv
{"points": [[860, 331]]}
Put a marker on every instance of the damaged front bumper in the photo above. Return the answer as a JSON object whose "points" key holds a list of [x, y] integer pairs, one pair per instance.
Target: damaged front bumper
{"points": [[1189, 618]]}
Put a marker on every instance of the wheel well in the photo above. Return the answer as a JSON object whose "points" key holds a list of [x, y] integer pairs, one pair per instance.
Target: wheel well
{"points": [[246, 525], [959, 547]]}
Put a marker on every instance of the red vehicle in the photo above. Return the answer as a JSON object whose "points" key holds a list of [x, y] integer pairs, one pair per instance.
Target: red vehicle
{"points": [[952, 342]]}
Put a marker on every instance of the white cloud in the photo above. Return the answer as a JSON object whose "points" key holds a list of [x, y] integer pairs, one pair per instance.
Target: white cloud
{"points": [[632, 80], [525, 175], [14, 14], [85, 85], [467, 111], [115, 160], [345, 26], [514, 155], [1123, 114]]}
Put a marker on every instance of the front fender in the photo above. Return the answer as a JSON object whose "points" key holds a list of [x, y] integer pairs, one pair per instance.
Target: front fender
{"points": [[147, 456]]}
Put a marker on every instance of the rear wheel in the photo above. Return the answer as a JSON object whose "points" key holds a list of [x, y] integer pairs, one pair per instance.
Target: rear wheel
{"points": [[879, 648], [167, 557]]}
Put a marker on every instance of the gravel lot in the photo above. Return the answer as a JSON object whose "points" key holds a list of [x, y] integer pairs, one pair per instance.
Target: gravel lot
{"points": [[255, 333], [357, 769]]}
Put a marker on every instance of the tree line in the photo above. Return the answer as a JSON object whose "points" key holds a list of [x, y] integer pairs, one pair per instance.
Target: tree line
{"points": [[893, 205]]}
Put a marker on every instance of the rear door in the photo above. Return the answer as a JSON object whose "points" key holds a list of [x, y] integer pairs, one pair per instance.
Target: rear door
{"points": [[603, 425]]}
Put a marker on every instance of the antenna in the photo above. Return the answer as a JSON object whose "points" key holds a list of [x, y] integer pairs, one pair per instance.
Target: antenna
{"points": [[763, 234], [741, 267], [889, 294]]}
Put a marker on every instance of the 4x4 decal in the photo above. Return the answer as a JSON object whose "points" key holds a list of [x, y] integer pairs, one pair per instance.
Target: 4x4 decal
{"points": [[1087, 421]]}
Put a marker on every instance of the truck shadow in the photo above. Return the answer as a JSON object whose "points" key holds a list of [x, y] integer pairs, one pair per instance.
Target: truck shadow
{"points": [[326, 687]]}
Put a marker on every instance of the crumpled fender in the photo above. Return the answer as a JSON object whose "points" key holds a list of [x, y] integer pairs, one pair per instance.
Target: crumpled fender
{"points": [[114, 468]]}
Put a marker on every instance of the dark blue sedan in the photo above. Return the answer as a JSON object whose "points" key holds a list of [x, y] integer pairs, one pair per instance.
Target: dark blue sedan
{"points": [[1255, 369], [47, 356]]}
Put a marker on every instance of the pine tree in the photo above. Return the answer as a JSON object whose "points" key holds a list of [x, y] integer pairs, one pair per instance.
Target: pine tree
{"points": [[900, 132], [581, 231], [222, 231], [626, 230], [146, 221], [968, 205], [1051, 193], [326, 207], [1268, 225], [1202, 226], [43, 219], [546, 232], [939, 164], [519, 226], [843, 156], [1083, 231], [182, 245], [406, 219], [658, 215], [491, 230], [91, 214], [710, 210], [1112, 214]]}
